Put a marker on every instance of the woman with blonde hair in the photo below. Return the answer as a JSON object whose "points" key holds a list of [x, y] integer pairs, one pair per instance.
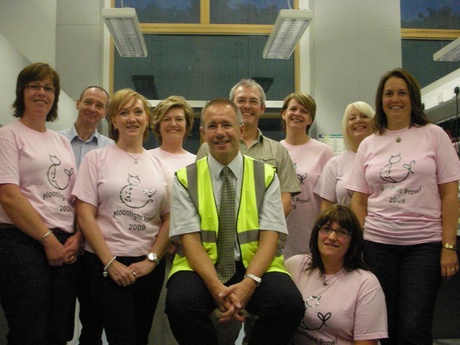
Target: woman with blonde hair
{"points": [[123, 206], [356, 126]]}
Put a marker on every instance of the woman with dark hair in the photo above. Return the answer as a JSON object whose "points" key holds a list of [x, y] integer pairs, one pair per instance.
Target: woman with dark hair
{"points": [[405, 183], [38, 242], [344, 301], [123, 206], [309, 157]]}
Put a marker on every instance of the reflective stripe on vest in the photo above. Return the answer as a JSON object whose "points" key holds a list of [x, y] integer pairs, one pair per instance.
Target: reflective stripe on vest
{"points": [[257, 177]]}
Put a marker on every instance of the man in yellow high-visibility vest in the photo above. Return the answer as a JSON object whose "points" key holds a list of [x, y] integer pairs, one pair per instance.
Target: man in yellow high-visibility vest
{"points": [[260, 285]]}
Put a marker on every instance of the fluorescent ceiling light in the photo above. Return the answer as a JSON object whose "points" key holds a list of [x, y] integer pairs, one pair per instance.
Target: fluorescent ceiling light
{"points": [[126, 33], [289, 27], [450, 52]]}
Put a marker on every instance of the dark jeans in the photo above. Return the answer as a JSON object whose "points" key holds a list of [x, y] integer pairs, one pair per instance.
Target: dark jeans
{"points": [[126, 312], [277, 302], [410, 277], [38, 299], [91, 331]]}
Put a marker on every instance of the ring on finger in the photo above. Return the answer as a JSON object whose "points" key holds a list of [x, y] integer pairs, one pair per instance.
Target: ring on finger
{"points": [[134, 273]]}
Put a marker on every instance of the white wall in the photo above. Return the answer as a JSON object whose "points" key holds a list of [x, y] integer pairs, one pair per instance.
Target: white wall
{"points": [[10, 57], [31, 26], [14, 62], [348, 47], [79, 44], [28, 34]]}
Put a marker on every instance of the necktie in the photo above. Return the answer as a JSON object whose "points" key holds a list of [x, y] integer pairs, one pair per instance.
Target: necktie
{"points": [[226, 236]]}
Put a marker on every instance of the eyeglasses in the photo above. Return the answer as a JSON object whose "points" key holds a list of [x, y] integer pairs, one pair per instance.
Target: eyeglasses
{"points": [[242, 101], [327, 230], [37, 86]]}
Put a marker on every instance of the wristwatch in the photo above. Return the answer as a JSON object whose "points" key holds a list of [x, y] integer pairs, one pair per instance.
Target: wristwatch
{"points": [[449, 246], [253, 277], [153, 258]]}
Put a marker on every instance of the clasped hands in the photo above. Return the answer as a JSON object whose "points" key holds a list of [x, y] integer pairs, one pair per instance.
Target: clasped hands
{"points": [[126, 275], [232, 300]]}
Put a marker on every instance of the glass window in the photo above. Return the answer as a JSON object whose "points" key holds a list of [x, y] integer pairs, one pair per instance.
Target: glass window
{"points": [[430, 14], [161, 11], [417, 54], [245, 11], [202, 67], [417, 58]]}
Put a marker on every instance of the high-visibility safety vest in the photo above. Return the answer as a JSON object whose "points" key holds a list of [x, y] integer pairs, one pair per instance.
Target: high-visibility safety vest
{"points": [[257, 177]]}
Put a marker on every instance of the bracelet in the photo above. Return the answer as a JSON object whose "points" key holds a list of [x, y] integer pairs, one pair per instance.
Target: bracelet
{"points": [[107, 266], [41, 239], [449, 246]]}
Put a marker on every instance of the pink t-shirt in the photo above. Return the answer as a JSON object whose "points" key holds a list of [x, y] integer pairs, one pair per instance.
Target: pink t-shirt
{"points": [[43, 166], [173, 161], [309, 160], [331, 184], [130, 198], [402, 179], [350, 307]]}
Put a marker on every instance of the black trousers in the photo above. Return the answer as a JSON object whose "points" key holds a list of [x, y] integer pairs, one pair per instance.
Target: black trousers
{"points": [[90, 318], [38, 299], [126, 312], [277, 302]]}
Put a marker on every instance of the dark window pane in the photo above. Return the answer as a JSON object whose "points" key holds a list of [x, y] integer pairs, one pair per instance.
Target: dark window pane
{"points": [[161, 11], [430, 14], [201, 67], [417, 57], [245, 11]]}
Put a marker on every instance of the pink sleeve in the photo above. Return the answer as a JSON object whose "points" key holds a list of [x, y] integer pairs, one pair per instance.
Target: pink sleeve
{"points": [[9, 158], [447, 162], [370, 314], [326, 185], [357, 180]]}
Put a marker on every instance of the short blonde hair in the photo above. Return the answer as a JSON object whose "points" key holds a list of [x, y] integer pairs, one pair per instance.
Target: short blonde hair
{"points": [[164, 107], [363, 108], [118, 101]]}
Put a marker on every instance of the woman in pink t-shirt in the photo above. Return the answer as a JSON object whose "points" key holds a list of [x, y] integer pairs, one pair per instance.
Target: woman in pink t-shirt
{"points": [[344, 301], [405, 183], [172, 123], [38, 242], [309, 157], [356, 126], [123, 207]]}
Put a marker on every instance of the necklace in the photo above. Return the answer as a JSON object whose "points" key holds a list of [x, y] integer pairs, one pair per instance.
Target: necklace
{"points": [[328, 279], [135, 159], [398, 133]]}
